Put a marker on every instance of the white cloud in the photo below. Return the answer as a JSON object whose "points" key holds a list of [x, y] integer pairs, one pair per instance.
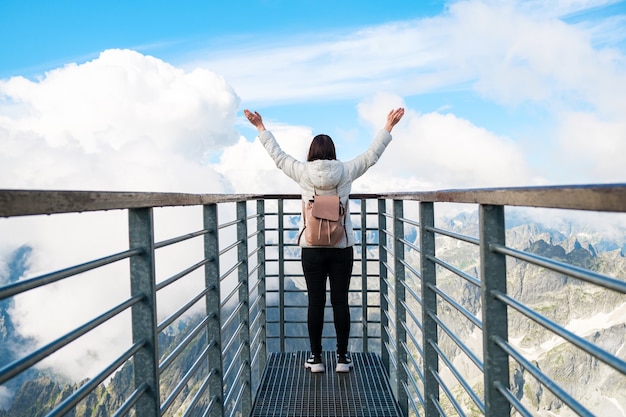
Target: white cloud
{"points": [[436, 151], [123, 121], [516, 54]]}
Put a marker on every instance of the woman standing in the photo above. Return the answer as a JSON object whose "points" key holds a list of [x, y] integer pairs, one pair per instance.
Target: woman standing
{"points": [[323, 174]]}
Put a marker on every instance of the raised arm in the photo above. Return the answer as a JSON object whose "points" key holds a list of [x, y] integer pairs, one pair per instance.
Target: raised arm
{"points": [[357, 166], [285, 162]]}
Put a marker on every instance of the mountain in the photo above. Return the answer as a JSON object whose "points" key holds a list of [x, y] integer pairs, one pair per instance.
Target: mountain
{"points": [[595, 314], [11, 342], [598, 315]]}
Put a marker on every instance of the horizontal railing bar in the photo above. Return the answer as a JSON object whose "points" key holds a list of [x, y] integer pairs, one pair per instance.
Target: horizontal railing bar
{"points": [[517, 404], [200, 360], [457, 236], [199, 393], [256, 334], [182, 238], [448, 393], [410, 268], [595, 351], [413, 316], [416, 366], [254, 304], [174, 278], [233, 316], [30, 202], [234, 338], [32, 283], [558, 392], [70, 402], [231, 270], [412, 292], [479, 403], [594, 197], [468, 314], [253, 216], [182, 345], [409, 221], [412, 381], [329, 337], [233, 364], [414, 340], [409, 244], [471, 279], [435, 401], [390, 305], [411, 402], [255, 356], [458, 342], [131, 400], [239, 394], [182, 310], [235, 291], [20, 365], [230, 247], [229, 224], [392, 340], [255, 251], [212, 403], [566, 269], [390, 351]]}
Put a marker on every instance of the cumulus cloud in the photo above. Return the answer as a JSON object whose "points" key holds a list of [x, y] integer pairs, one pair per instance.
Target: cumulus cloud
{"points": [[124, 121], [513, 54]]}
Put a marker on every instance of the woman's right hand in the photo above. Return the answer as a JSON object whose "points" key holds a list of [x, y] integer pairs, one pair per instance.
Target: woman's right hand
{"points": [[393, 118], [255, 118]]}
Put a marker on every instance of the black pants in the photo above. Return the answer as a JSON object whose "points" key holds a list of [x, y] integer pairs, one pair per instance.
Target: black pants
{"points": [[336, 264]]}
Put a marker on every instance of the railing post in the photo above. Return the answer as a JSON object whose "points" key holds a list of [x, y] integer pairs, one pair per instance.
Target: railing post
{"points": [[281, 274], [244, 313], [144, 317], [364, 298], [429, 308], [260, 241], [495, 320], [401, 353], [383, 276], [213, 309]]}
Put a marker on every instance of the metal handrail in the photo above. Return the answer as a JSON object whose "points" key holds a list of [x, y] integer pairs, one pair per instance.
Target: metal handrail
{"points": [[257, 276]]}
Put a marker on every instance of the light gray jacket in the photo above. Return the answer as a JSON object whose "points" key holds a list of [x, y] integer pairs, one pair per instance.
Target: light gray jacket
{"points": [[326, 177]]}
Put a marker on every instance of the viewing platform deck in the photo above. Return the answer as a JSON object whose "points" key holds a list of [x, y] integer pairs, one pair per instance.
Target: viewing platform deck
{"points": [[288, 389]]}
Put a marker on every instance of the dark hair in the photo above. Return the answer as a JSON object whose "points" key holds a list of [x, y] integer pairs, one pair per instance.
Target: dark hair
{"points": [[322, 147]]}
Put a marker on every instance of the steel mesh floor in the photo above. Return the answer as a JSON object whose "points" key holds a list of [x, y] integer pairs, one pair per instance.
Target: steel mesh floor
{"points": [[288, 389]]}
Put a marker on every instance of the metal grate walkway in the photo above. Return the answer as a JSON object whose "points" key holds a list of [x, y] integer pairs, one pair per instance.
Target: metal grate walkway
{"points": [[288, 389]]}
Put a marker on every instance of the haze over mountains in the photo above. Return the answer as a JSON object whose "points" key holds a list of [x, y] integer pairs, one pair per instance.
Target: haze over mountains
{"points": [[595, 314]]}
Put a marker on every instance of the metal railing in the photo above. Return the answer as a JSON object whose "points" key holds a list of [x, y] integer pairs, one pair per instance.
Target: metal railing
{"points": [[248, 298]]}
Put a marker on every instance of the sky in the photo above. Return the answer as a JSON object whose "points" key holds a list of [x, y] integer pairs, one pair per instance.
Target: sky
{"points": [[149, 96]]}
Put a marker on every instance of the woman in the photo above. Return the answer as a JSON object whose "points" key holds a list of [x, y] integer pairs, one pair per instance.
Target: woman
{"points": [[323, 174]]}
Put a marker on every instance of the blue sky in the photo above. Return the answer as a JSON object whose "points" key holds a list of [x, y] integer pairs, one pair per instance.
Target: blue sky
{"points": [[498, 93]]}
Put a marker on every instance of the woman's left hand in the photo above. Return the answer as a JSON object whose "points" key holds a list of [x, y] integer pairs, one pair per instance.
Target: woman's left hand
{"points": [[255, 118], [393, 118]]}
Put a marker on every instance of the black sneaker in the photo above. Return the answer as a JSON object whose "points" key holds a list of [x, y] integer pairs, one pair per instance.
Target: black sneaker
{"points": [[315, 364], [344, 363]]}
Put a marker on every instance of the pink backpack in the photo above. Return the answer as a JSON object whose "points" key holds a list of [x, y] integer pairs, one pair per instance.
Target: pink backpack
{"points": [[324, 221]]}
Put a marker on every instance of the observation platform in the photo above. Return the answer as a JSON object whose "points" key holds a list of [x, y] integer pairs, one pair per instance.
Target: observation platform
{"points": [[288, 389]]}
